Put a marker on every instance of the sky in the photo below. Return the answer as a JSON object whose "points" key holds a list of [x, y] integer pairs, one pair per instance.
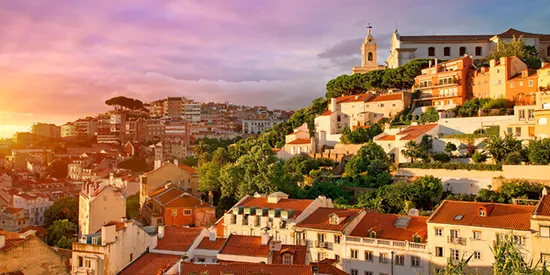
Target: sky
{"points": [[61, 59]]}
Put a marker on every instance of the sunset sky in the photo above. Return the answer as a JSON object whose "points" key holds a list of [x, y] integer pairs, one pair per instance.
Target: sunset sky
{"points": [[61, 59]]}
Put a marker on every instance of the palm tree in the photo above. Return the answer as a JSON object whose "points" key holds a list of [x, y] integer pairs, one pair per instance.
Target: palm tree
{"points": [[412, 150]]}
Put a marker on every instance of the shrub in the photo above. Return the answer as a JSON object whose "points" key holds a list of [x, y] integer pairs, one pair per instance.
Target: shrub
{"points": [[453, 166], [513, 158], [466, 136], [495, 104], [441, 157], [479, 157]]}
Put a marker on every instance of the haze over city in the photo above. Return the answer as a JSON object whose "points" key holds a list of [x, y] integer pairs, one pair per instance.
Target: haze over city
{"points": [[61, 60]]}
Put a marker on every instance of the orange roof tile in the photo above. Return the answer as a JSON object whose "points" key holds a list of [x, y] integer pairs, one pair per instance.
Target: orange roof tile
{"points": [[352, 98], [38, 229], [415, 131], [326, 113], [505, 216], [387, 137], [12, 239], [150, 264], [320, 218], [188, 169], [13, 210], [386, 97], [177, 238], [247, 269], [118, 225], [299, 252], [326, 267], [207, 244], [245, 246], [384, 225], [543, 207], [300, 141], [298, 205]]}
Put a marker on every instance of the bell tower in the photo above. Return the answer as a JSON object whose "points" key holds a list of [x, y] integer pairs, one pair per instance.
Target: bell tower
{"points": [[369, 50]]}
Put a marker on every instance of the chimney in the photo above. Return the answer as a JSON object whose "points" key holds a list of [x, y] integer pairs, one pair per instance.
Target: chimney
{"points": [[275, 246], [436, 61], [160, 231], [332, 105], [265, 238], [492, 62], [2, 241], [157, 164], [430, 63], [176, 163], [212, 234]]}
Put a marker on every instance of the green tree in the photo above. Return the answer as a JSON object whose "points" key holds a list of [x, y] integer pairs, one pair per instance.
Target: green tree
{"points": [[65, 208], [516, 47], [513, 158], [431, 115], [125, 102], [370, 166], [209, 174], [61, 229], [450, 148], [412, 151], [499, 147], [478, 157], [132, 206], [539, 151]]}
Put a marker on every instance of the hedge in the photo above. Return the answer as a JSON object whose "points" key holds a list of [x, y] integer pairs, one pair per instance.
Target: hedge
{"points": [[465, 136], [453, 166]]}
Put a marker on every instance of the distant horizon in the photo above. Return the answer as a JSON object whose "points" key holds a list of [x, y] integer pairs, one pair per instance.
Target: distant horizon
{"points": [[61, 60]]}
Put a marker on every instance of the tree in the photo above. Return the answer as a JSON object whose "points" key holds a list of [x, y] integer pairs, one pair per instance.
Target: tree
{"points": [[125, 102], [135, 165], [370, 166], [431, 115], [539, 151], [57, 169], [132, 206], [478, 157], [513, 158], [61, 229], [516, 47], [209, 174], [412, 150], [361, 134], [62, 209], [450, 148], [499, 147]]}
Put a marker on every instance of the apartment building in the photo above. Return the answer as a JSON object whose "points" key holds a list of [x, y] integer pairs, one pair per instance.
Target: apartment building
{"points": [[13, 219], [444, 85], [457, 230], [298, 141], [182, 176], [34, 204], [68, 130], [46, 130], [85, 127], [258, 125], [522, 126], [276, 212], [542, 115], [98, 205]]}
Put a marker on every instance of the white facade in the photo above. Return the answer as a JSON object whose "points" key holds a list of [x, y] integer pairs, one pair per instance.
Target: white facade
{"points": [[258, 126], [99, 205], [35, 204]]}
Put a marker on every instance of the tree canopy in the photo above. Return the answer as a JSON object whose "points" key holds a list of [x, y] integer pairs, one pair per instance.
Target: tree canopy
{"points": [[61, 233], [516, 47], [370, 167], [361, 134], [125, 102], [62, 209]]}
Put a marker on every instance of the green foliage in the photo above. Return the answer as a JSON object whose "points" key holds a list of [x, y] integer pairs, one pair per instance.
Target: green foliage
{"points": [[190, 161], [450, 147], [333, 190], [431, 115], [499, 147], [453, 268], [132, 206], [499, 103], [539, 151], [61, 229], [57, 169], [135, 165], [370, 167], [479, 157], [360, 135], [209, 145], [415, 151], [453, 166], [513, 158], [209, 174], [510, 189], [516, 47], [125, 102], [466, 136], [442, 157], [509, 258], [62, 209], [402, 78]]}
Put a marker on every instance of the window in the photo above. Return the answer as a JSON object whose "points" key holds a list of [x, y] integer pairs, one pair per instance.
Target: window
{"points": [[337, 238], [368, 273], [531, 83], [131, 256], [518, 131], [415, 261], [482, 213], [544, 231], [333, 220], [531, 114], [383, 258], [174, 212], [439, 231], [369, 58], [521, 83], [321, 237], [478, 51], [522, 114], [337, 258], [455, 254], [545, 106], [368, 256], [462, 51], [382, 105], [80, 261], [477, 255], [431, 51], [439, 251], [287, 259], [447, 51], [548, 51], [187, 212], [354, 253], [477, 235], [354, 272], [87, 263], [510, 131], [519, 240], [399, 260]]}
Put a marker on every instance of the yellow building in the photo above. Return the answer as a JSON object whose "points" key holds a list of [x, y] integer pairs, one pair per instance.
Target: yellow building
{"points": [[182, 176], [458, 230], [540, 224], [369, 51], [542, 115], [500, 71]]}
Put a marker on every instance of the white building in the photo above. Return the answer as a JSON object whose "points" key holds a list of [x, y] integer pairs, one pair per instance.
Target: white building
{"points": [[35, 204], [98, 205], [258, 126]]}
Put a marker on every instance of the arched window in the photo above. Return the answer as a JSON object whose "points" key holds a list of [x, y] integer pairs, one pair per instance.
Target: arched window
{"points": [[369, 56], [431, 51], [462, 51], [447, 51], [542, 121], [479, 51]]}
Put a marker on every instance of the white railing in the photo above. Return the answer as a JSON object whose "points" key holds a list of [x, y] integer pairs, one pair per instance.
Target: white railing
{"points": [[386, 243]]}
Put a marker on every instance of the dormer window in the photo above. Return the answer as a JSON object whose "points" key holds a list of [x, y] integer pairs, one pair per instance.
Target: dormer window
{"points": [[334, 220], [482, 213], [372, 234], [288, 258]]}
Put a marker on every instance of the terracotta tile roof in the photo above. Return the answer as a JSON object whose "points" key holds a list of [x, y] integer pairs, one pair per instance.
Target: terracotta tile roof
{"points": [[12, 239], [547, 66], [415, 131], [177, 238], [211, 245], [543, 207], [326, 113], [245, 246], [186, 200], [386, 97], [299, 252], [298, 205], [150, 264], [505, 216], [320, 218], [511, 32], [118, 225], [247, 269], [13, 210], [384, 225], [276, 150], [327, 267], [38, 229], [387, 137], [444, 38], [300, 141], [353, 98], [188, 169]]}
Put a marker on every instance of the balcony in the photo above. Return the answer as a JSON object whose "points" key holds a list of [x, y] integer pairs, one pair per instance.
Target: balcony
{"points": [[456, 240], [325, 245], [386, 243]]}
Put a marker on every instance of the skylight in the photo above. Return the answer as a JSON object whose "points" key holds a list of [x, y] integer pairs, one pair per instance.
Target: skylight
{"points": [[459, 217]]}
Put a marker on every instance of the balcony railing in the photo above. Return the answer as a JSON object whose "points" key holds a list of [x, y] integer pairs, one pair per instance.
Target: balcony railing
{"points": [[326, 245], [387, 243], [456, 240]]}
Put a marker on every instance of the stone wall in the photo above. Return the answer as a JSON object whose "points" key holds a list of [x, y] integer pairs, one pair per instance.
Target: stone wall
{"points": [[32, 257]]}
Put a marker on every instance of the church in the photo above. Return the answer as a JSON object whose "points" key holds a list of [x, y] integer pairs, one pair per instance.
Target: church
{"points": [[369, 51]]}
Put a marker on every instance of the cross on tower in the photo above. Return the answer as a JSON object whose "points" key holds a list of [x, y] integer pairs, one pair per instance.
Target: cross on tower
{"points": [[369, 27]]}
